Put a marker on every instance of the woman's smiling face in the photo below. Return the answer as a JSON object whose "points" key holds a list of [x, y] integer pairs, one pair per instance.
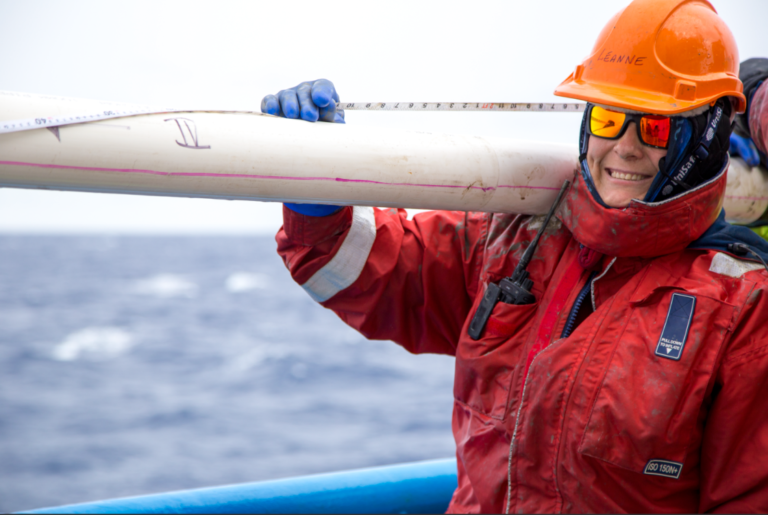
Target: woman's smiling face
{"points": [[622, 169]]}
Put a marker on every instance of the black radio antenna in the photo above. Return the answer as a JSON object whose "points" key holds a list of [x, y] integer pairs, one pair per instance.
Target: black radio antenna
{"points": [[515, 289]]}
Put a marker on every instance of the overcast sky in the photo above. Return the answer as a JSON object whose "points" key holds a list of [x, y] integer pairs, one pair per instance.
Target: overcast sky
{"points": [[229, 54]]}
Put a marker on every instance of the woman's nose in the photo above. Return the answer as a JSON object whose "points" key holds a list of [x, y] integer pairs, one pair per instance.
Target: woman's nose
{"points": [[629, 146]]}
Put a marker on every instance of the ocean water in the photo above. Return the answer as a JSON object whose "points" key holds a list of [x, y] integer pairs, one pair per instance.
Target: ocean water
{"points": [[133, 365]]}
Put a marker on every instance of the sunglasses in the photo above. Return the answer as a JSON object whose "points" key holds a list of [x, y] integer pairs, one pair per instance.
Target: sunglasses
{"points": [[653, 130]]}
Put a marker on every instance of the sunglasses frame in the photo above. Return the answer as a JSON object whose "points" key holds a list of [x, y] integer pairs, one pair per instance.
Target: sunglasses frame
{"points": [[629, 117]]}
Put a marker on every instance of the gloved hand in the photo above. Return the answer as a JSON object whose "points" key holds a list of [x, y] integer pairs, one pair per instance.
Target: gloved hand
{"points": [[744, 147], [313, 209], [312, 101], [309, 100]]}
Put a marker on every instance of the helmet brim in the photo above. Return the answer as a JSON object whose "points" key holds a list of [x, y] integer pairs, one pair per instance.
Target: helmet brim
{"points": [[637, 99]]}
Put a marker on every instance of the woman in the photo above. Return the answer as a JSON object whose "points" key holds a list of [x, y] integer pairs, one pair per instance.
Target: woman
{"points": [[636, 381]]}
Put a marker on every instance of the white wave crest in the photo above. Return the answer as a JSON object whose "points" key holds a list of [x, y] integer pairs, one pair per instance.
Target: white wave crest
{"points": [[255, 357], [94, 344], [166, 286], [244, 281]]}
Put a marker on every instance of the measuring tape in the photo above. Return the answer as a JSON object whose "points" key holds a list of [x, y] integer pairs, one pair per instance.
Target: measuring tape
{"points": [[120, 112], [56, 121], [538, 107]]}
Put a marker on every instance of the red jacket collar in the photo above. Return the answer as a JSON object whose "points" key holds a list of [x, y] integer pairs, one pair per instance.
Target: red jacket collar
{"points": [[642, 229]]}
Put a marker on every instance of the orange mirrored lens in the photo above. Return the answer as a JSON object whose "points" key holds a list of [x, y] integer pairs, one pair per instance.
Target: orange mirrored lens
{"points": [[605, 123], [655, 130]]}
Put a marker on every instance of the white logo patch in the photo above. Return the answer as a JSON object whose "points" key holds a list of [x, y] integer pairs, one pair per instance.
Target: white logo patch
{"points": [[664, 468]]}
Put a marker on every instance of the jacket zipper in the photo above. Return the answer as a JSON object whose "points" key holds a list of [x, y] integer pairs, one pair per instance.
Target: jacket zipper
{"points": [[588, 289], [567, 283], [571, 321]]}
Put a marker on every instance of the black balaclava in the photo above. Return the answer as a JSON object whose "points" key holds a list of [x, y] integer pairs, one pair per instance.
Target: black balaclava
{"points": [[698, 150]]}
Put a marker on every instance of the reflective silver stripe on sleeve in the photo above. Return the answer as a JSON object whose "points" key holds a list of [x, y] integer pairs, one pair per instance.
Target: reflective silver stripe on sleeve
{"points": [[345, 267], [726, 265]]}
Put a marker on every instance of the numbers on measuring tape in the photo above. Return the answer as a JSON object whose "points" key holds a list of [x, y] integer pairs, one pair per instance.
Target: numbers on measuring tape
{"points": [[56, 121], [463, 106], [106, 114]]}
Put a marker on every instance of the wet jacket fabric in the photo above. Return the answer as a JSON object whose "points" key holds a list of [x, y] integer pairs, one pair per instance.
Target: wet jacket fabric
{"points": [[656, 402]]}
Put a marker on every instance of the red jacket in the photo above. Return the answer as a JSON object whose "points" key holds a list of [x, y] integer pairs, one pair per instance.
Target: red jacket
{"points": [[628, 413]]}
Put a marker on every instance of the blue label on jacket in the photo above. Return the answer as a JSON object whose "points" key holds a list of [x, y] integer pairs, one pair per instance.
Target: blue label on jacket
{"points": [[663, 468], [679, 316]]}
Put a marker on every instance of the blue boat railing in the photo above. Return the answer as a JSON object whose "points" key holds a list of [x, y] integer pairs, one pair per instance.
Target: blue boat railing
{"points": [[421, 487]]}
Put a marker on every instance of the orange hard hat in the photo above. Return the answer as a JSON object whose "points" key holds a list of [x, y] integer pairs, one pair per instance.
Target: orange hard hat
{"points": [[661, 57]]}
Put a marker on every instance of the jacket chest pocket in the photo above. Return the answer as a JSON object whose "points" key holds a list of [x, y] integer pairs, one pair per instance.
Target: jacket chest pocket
{"points": [[484, 368], [645, 412]]}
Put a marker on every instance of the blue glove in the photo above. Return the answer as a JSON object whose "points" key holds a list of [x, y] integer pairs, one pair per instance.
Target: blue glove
{"points": [[311, 101], [745, 148], [313, 209]]}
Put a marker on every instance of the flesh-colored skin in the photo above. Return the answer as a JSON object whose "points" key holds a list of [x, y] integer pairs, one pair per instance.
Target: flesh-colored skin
{"points": [[624, 168]]}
